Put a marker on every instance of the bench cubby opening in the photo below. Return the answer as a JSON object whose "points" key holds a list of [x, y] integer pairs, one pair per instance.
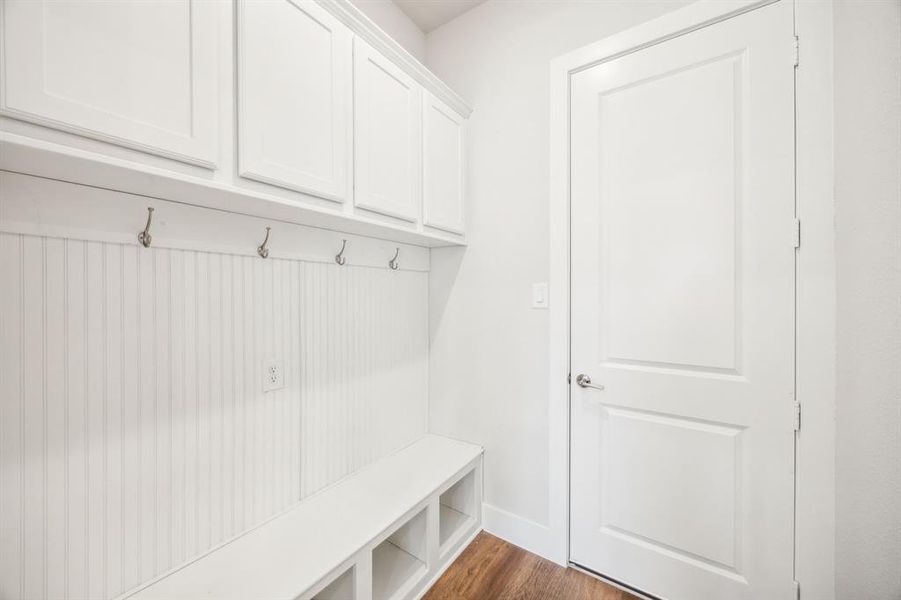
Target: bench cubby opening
{"points": [[456, 511], [342, 588], [401, 559]]}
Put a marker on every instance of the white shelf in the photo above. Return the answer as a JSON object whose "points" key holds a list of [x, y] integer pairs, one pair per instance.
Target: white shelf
{"points": [[50, 160]]}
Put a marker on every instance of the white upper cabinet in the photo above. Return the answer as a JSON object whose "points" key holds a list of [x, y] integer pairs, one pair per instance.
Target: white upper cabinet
{"points": [[387, 136], [443, 166], [294, 97], [143, 75], [298, 110]]}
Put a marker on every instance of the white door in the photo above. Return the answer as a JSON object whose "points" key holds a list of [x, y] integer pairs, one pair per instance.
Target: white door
{"points": [[294, 97], [387, 136], [144, 75], [442, 150], [683, 310]]}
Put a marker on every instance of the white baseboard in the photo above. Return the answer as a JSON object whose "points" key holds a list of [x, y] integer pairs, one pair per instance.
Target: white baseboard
{"points": [[519, 531]]}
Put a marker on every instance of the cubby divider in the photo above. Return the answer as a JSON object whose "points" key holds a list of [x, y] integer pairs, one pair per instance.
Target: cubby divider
{"points": [[457, 511]]}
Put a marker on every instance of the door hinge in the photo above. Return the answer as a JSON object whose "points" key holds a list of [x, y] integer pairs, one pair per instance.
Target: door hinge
{"points": [[796, 416], [569, 378], [797, 52], [796, 233], [796, 587]]}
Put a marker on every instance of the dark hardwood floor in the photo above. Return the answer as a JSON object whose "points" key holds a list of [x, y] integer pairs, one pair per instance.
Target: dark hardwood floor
{"points": [[492, 569]]}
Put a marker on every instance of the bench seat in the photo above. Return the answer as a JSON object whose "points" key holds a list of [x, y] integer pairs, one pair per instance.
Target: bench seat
{"points": [[339, 530]]}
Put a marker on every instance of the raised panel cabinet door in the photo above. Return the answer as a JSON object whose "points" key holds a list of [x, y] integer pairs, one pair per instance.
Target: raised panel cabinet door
{"points": [[683, 309], [387, 136], [294, 97], [443, 187], [142, 75]]}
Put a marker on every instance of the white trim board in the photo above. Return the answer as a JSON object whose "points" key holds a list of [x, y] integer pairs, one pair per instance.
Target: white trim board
{"points": [[366, 29], [43, 207], [519, 531], [816, 303], [815, 484]]}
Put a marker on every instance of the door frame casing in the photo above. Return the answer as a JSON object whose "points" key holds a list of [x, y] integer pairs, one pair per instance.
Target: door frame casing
{"points": [[814, 275]]}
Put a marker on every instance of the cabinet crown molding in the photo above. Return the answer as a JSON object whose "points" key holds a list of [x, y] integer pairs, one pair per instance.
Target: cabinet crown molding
{"points": [[365, 28]]}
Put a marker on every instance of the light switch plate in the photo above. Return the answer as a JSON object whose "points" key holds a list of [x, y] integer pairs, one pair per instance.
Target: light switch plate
{"points": [[539, 295]]}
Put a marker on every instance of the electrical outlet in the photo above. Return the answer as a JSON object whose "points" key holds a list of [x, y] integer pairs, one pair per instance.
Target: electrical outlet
{"points": [[273, 375]]}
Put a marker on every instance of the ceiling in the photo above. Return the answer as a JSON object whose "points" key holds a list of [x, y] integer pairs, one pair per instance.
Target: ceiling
{"points": [[430, 14]]}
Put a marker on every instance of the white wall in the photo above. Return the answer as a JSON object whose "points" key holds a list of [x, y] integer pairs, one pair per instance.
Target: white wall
{"points": [[488, 363], [488, 359], [134, 430], [393, 21], [868, 251]]}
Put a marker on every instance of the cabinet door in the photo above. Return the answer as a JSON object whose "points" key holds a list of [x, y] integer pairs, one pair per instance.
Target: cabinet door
{"points": [[443, 189], [138, 74], [294, 103], [388, 129]]}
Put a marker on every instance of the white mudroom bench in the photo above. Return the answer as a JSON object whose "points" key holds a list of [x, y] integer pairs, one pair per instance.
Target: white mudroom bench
{"points": [[386, 532]]}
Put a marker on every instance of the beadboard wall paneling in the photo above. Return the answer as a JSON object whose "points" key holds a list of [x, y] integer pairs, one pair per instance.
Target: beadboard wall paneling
{"points": [[134, 433]]}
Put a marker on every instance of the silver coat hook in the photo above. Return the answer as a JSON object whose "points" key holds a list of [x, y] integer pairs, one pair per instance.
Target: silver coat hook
{"points": [[144, 237], [340, 256], [393, 264], [262, 250]]}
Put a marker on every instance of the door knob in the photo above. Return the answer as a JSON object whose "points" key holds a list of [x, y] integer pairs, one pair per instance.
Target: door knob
{"points": [[584, 381]]}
